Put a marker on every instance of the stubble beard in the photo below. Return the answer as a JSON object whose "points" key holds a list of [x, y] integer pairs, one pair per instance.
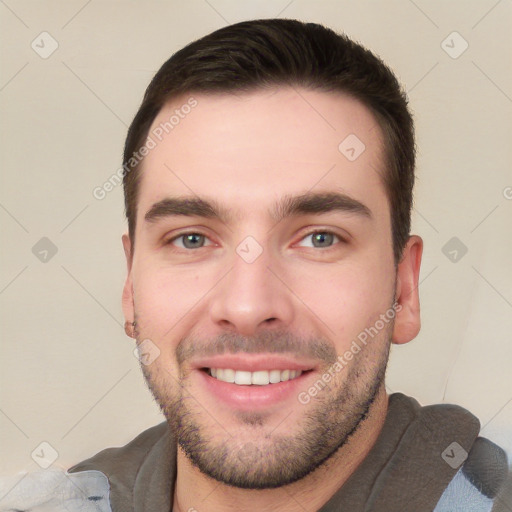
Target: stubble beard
{"points": [[256, 454]]}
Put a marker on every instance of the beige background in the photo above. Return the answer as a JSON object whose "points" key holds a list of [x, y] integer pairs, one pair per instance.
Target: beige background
{"points": [[68, 374]]}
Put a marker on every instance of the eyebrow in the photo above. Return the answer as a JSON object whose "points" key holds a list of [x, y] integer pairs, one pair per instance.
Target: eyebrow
{"points": [[288, 206]]}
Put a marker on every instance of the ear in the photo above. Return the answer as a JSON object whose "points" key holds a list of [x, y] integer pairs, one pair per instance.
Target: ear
{"points": [[127, 300], [407, 320]]}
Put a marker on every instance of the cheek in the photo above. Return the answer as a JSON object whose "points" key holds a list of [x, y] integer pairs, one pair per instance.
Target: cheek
{"points": [[165, 297], [346, 297]]}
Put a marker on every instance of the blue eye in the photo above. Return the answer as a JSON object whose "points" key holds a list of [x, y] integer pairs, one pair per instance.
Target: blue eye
{"points": [[189, 240], [321, 239]]}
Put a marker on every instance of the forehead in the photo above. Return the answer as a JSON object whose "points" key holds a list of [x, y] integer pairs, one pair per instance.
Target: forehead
{"points": [[246, 149]]}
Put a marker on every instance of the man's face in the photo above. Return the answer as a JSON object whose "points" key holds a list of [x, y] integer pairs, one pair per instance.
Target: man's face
{"points": [[259, 291]]}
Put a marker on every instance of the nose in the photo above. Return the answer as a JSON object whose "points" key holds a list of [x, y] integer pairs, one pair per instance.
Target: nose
{"points": [[252, 297]]}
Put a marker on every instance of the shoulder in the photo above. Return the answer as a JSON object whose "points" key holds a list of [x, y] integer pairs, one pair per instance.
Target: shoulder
{"points": [[478, 482], [56, 490], [129, 456], [97, 484], [143, 466], [467, 472], [486, 467]]}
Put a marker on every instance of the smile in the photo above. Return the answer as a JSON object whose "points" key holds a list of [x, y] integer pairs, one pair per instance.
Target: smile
{"points": [[257, 378]]}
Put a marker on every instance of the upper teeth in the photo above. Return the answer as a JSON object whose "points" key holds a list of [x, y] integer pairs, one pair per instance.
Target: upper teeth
{"points": [[260, 378]]}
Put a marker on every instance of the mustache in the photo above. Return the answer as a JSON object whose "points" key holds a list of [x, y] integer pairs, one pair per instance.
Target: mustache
{"points": [[280, 342]]}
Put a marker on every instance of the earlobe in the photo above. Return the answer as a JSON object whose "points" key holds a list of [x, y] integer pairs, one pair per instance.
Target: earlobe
{"points": [[129, 329], [407, 320]]}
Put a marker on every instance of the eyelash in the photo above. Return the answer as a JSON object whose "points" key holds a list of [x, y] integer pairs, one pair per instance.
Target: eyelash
{"points": [[323, 231]]}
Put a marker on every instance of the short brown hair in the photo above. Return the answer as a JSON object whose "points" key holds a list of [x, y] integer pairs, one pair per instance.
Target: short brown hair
{"points": [[281, 52]]}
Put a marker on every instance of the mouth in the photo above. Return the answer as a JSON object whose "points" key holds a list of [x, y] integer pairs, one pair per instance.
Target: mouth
{"points": [[253, 382]]}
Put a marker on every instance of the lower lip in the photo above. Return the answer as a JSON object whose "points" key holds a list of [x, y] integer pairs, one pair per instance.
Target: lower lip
{"points": [[249, 397]]}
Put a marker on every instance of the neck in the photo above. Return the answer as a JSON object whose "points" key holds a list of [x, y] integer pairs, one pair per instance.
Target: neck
{"points": [[195, 492]]}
